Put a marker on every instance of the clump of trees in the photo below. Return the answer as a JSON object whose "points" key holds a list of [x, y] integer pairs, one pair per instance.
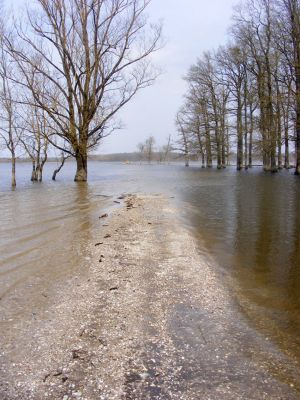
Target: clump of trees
{"points": [[148, 151], [245, 97], [67, 68]]}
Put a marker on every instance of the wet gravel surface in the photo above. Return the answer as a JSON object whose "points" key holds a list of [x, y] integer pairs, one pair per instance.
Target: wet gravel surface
{"points": [[149, 318]]}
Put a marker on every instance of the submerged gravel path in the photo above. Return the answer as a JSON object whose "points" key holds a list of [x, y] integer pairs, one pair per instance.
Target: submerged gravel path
{"points": [[149, 318]]}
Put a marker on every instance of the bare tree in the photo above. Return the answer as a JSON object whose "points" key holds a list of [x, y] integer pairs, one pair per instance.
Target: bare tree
{"points": [[232, 61], [167, 148], [149, 148], [93, 56], [163, 152], [35, 138], [249, 91], [9, 131], [291, 9], [183, 142], [206, 86], [141, 150], [63, 159], [254, 29]]}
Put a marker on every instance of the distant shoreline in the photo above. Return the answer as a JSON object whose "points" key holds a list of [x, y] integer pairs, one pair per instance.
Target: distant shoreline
{"points": [[126, 160]]}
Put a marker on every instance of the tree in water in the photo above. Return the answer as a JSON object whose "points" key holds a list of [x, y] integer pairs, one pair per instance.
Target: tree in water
{"points": [[63, 159], [35, 139], [141, 151], [248, 92], [149, 148], [93, 57], [184, 141], [9, 127]]}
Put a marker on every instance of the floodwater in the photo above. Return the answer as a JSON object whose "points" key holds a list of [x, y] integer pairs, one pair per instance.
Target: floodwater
{"points": [[247, 223]]}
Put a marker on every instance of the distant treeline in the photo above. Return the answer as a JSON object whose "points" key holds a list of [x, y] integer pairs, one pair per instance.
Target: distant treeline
{"points": [[135, 157], [115, 157]]}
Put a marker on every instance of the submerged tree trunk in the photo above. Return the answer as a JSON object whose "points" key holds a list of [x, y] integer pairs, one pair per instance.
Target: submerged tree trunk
{"points": [[223, 128], [271, 124], [13, 171], [285, 117], [294, 14], [279, 144], [187, 160], [57, 170], [218, 143], [227, 147], [251, 136], [263, 123], [239, 153], [297, 170], [208, 143], [278, 122], [44, 160], [246, 122], [186, 152], [209, 162], [81, 171], [38, 172], [297, 149], [33, 174], [287, 148], [203, 159], [201, 146]]}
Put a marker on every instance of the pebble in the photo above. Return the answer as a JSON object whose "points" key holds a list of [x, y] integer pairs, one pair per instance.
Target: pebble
{"points": [[144, 375]]}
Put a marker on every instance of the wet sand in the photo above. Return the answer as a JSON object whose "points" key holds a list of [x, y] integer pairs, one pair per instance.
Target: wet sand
{"points": [[146, 318]]}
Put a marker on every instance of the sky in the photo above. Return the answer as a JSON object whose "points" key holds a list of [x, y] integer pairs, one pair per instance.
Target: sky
{"points": [[190, 27]]}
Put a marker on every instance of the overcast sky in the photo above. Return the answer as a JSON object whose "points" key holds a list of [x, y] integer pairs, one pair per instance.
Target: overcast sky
{"points": [[190, 27]]}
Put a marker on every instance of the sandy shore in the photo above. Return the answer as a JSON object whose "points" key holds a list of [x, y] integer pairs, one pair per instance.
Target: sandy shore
{"points": [[147, 318]]}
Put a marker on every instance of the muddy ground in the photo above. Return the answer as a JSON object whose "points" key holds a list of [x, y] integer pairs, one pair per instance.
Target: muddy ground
{"points": [[147, 318]]}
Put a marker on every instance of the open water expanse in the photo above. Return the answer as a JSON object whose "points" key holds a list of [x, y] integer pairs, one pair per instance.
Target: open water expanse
{"points": [[247, 224]]}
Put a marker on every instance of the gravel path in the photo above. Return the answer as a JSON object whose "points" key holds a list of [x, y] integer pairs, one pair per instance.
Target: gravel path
{"points": [[149, 318]]}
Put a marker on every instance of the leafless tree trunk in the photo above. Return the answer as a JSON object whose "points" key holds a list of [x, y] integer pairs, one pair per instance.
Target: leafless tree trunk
{"points": [[246, 95], [33, 172], [35, 139], [286, 123], [292, 8], [167, 150], [251, 129], [184, 141], [63, 159], [149, 148], [209, 161], [8, 125]]}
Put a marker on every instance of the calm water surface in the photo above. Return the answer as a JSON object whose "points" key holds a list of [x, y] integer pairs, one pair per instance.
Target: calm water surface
{"points": [[247, 223]]}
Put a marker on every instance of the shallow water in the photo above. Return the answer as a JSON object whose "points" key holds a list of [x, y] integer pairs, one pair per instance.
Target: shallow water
{"points": [[247, 223]]}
